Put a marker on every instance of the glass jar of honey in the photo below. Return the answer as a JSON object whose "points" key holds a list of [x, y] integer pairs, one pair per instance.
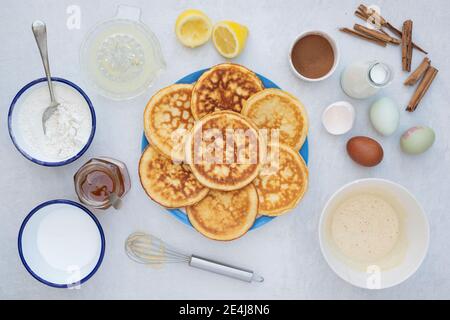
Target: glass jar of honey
{"points": [[102, 182]]}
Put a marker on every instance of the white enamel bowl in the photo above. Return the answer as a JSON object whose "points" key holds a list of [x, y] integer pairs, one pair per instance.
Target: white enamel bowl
{"points": [[61, 243], [17, 136]]}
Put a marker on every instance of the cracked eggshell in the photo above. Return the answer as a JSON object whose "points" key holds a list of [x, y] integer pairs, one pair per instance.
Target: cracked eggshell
{"points": [[385, 116], [338, 118]]}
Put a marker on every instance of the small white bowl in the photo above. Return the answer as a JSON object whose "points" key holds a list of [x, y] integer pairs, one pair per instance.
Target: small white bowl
{"points": [[333, 45], [415, 226], [61, 243], [338, 118]]}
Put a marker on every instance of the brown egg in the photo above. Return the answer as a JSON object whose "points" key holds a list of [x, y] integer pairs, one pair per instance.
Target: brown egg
{"points": [[365, 151]]}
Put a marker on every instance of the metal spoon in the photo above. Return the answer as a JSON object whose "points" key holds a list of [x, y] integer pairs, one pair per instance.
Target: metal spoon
{"points": [[115, 201], [40, 34]]}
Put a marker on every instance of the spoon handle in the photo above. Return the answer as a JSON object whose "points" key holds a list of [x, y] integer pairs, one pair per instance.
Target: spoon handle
{"points": [[40, 34]]}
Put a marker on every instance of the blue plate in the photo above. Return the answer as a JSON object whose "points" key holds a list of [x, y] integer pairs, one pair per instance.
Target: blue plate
{"points": [[191, 78]]}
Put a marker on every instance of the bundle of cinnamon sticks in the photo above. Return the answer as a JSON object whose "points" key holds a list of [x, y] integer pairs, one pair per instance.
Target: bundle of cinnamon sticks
{"points": [[377, 35], [425, 72]]}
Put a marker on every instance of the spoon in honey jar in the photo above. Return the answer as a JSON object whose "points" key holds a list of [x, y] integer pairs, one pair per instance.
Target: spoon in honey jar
{"points": [[114, 200]]}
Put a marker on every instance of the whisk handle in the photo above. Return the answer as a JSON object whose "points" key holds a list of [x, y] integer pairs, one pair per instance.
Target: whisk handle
{"points": [[224, 269]]}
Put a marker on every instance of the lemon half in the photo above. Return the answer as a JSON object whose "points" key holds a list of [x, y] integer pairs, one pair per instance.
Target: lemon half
{"points": [[193, 28], [229, 38]]}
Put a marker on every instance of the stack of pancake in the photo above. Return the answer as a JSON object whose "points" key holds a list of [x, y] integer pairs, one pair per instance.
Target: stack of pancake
{"points": [[208, 152]]}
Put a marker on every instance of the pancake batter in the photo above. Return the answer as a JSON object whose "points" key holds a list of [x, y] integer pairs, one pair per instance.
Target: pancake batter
{"points": [[365, 228]]}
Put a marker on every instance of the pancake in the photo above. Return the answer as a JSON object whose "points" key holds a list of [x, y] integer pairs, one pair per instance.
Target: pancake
{"points": [[281, 184], [170, 184], [225, 215], [222, 151], [168, 118], [223, 87], [276, 109]]}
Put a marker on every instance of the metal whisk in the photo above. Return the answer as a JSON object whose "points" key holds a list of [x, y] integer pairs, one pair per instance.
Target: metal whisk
{"points": [[148, 249]]}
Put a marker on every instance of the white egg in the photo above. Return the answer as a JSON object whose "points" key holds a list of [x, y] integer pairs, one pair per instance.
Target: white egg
{"points": [[385, 116]]}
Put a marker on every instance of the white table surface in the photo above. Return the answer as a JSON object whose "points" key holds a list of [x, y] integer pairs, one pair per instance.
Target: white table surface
{"points": [[286, 251]]}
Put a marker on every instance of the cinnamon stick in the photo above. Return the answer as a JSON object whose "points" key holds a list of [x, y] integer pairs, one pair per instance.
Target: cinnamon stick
{"points": [[418, 73], [361, 15], [376, 34], [363, 36], [371, 16], [422, 88], [394, 40], [393, 29], [407, 45], [397, 32], [384, 32]]}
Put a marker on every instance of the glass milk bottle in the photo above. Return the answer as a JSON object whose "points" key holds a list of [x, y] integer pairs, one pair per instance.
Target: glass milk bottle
{"points": [[364, 79]]}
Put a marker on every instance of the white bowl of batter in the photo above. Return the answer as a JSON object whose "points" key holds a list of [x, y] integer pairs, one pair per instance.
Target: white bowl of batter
{"points": [[373, 233]]}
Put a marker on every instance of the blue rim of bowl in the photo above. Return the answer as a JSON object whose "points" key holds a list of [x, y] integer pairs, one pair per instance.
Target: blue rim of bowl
{"points": [[45, 163], [72, 203], [304, 151]]}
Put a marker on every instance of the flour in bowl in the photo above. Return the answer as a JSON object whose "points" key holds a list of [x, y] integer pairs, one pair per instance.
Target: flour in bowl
{"points": [[67, 130]]}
